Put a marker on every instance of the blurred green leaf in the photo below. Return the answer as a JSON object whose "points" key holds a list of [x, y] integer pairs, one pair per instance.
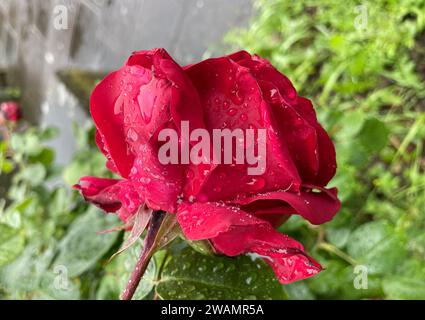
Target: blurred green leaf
{"points": [[374, 135], [82, 247], [404, 288], [11, 243], [378, 246]]}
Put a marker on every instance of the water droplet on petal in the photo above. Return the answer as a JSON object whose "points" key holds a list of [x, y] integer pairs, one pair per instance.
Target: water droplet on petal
{"points": [[118, 106], [217, 189], [132, 134], [232, 111], [257, 183], [189, 174], [146, 101]]}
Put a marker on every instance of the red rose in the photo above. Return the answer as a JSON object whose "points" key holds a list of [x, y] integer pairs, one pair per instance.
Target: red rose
{"points": [[10, 110], [235, 211]]}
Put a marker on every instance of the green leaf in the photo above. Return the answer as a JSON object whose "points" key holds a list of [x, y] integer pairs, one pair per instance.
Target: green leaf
{"points": [[299, 291], [82, 247], [49, 133], [45, 157], [338, 236], [11, 243], [191, 275], [352, 123], [378, 246], [22, 276], [374, 135], [53, 287], [404, 288], [33, 174]]}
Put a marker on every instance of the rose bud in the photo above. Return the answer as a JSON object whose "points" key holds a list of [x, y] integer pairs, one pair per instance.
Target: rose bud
{"points": [[10, 111]]}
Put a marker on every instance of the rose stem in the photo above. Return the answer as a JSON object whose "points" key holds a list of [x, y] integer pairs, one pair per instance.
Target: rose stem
{"points": [[145, 255]]}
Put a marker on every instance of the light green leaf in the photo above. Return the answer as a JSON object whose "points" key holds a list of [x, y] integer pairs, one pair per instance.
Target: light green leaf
{"points": [[398, 287], [11, 243], [378, 246], [82, 247]]}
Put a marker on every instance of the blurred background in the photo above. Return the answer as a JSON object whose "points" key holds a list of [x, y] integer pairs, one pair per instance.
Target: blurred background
{"points": [[362, 65]]}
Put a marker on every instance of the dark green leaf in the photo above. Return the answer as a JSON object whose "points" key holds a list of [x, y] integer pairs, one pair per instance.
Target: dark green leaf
{"points": [[191, 275]]}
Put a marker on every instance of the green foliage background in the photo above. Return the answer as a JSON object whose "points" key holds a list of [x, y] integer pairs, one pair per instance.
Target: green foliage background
{"points": [[362, 64]]}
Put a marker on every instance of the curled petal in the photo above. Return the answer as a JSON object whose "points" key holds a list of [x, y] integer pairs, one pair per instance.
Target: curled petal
{"points": [[111, 195], [326, 149], [104, 101], [233, 231], [316, 207], [110, 164]]}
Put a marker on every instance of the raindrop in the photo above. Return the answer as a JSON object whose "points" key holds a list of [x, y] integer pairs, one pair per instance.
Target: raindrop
{"points": [[232, 111], [189, 174], [243, 117], [257, 183], [118, 106], [217, 189], [132, 135], [237, 96]]}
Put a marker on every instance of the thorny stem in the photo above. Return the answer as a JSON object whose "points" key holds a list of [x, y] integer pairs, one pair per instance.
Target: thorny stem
{"points": [[145, 255]]}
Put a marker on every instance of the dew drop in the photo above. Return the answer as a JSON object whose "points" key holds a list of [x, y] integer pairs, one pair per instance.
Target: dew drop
{"points": [[243, 117], [222, 176], [217, 189], [189, 174], [257, 183], [118, 106], [232, 111], [132, 134]]}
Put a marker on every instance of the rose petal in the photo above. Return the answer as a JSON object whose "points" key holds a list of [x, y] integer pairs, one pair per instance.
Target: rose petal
{"points": [[104, 102], [233, 232], [132, 104], [326, 149], [232, 99], [316, 207], [111, 195], [101, 145], [159, 184]]}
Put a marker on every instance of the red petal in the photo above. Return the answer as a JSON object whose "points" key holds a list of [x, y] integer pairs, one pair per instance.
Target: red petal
{"points": [[233, 232], [132, 104], [232, 99], [160, 184], [326, 149], [111, 195], [299, 135], [316, 207], [101, 145], [110, 125]]}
